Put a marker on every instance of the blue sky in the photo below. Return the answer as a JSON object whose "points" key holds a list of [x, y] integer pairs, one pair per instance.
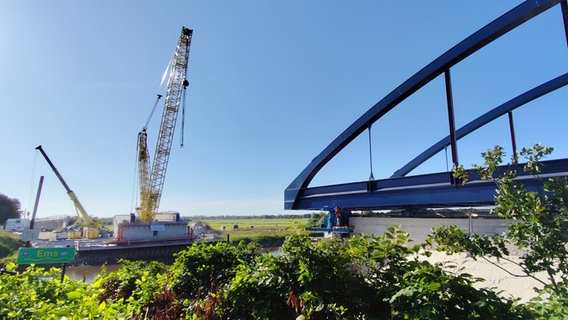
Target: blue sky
{"points": [[272, 83]]}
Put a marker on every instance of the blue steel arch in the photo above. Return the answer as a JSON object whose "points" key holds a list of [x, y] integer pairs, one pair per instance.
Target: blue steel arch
{"points": [[298, 189]]}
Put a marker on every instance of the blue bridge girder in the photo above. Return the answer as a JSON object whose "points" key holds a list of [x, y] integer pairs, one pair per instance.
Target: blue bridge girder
{"points": [[430, 190], [436, 189]]}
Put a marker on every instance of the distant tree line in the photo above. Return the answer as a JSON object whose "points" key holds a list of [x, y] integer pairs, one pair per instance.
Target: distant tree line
{"points": [[9, 208], [264, 216], [405, 212]]}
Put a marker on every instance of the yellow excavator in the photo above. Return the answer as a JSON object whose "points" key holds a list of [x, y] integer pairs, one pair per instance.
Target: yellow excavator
{"points": [[91, 228]]}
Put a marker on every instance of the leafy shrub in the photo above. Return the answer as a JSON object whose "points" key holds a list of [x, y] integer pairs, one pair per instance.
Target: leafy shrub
{"points": [[126, 282], [308, 279], [37, 293], [204, 264]]}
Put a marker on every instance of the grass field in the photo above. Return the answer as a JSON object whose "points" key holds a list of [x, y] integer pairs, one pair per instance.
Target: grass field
{"points": [[256, 229]]}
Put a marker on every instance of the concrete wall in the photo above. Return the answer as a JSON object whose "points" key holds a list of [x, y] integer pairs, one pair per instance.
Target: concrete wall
{"points": [[167, 216], [161, 218], [51, 223], [419, 228], [137, 231], [117, 220]]}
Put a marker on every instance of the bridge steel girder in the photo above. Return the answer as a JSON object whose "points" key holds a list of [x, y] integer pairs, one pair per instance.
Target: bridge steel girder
{"points": [[429, 190], [295, 193]]}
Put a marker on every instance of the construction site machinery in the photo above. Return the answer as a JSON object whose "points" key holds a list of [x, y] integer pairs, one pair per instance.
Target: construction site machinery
{"points": [[335, 222], [91, 228], [151, 180]]}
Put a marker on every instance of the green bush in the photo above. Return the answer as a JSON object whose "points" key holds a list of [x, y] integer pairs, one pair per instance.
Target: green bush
{"points": [[204, 265], [37, 293]]}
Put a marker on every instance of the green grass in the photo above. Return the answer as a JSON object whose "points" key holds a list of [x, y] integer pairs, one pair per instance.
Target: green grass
{"points": [[254, 229]]}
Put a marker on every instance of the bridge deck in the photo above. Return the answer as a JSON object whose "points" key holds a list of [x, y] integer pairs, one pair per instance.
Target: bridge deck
{"points": [[430, 190]]}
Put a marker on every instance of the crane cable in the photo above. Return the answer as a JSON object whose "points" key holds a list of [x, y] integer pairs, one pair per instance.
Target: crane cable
{"points": [[158, 95], [32, 182], [185, 85], [134, 198]]}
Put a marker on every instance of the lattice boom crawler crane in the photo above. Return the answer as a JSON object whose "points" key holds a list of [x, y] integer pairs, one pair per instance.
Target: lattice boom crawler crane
{"points": [[152, 179]]}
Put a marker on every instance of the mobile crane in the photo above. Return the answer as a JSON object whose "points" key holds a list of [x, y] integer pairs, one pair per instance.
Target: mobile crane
{"points": [[91, 228], [152, 181]]}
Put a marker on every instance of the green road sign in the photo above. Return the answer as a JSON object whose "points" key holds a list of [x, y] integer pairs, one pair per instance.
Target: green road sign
{"points": [[46, 255]]}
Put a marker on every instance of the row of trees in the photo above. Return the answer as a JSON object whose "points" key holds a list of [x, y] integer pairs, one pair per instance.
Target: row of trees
{"points": [[263, 216], [364, 277], [9, 208]]}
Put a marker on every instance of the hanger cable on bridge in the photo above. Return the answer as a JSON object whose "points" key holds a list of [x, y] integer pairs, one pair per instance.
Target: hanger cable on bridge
{"points": [[371, 177], [447, 166]]}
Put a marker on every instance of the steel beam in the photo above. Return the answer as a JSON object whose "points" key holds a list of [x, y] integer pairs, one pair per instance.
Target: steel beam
{"points": [[431, 190]]}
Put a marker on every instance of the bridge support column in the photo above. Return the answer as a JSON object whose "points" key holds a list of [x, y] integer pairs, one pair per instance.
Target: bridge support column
{"points": [[371, 177]]}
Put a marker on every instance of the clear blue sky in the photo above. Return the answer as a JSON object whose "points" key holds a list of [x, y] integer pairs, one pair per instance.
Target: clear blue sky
{"points": [[272, 84]]}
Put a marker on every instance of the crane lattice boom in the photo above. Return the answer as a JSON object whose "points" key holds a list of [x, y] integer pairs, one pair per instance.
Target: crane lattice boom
{"points": [[151, 184]]}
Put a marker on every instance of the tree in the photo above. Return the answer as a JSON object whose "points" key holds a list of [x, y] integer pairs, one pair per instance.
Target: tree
{"points": [[9, 208], [542, 228]]}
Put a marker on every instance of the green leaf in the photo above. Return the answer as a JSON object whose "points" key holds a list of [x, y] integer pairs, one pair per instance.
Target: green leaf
{"points": [[434, 286], [73, 295]]}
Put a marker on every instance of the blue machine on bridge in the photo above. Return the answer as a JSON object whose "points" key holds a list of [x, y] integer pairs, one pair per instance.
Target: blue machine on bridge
{"points": [[336, 221]]}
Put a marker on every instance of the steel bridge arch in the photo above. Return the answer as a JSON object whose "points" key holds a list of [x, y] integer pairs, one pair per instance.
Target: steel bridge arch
{"points": [[527, 10]]}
